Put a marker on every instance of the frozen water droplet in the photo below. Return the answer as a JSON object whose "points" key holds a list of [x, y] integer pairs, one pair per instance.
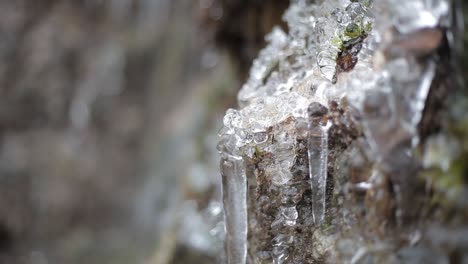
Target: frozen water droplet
{"points": [[280, 172], [260, 137], [354, 10], [281, 244], [232, 118], [290, 215]]}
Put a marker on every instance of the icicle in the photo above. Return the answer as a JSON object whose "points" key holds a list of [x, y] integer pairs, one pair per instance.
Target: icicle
{"points": [[318, 159], [235, 208], [421, 97]]}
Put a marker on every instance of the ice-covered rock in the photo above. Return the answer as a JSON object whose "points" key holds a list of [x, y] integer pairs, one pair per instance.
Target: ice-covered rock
{"points": [[346, 69]]}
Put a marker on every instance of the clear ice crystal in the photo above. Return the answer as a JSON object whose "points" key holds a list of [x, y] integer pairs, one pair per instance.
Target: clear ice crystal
{"points": [[281, 244], [287, 216]]}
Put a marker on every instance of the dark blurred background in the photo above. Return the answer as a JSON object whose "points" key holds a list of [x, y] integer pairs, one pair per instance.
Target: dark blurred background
{"points": [[109, 111]]}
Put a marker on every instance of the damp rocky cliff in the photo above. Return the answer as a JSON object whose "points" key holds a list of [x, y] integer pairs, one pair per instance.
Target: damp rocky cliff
{"points": [[349, 142]]}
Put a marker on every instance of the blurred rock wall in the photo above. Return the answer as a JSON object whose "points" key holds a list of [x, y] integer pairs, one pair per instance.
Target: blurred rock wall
{"points": [[75, 78], [107, 117]]}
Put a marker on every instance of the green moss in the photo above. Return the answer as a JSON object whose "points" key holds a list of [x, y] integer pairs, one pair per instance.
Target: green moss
{"points": [[337, 42], [460, 130], [353, 30], [447, 185], [327, 225], [366, 3], [368, 27]]}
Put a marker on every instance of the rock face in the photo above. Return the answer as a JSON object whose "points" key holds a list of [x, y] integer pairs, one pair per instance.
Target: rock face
{"points": [[324, 160]]}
